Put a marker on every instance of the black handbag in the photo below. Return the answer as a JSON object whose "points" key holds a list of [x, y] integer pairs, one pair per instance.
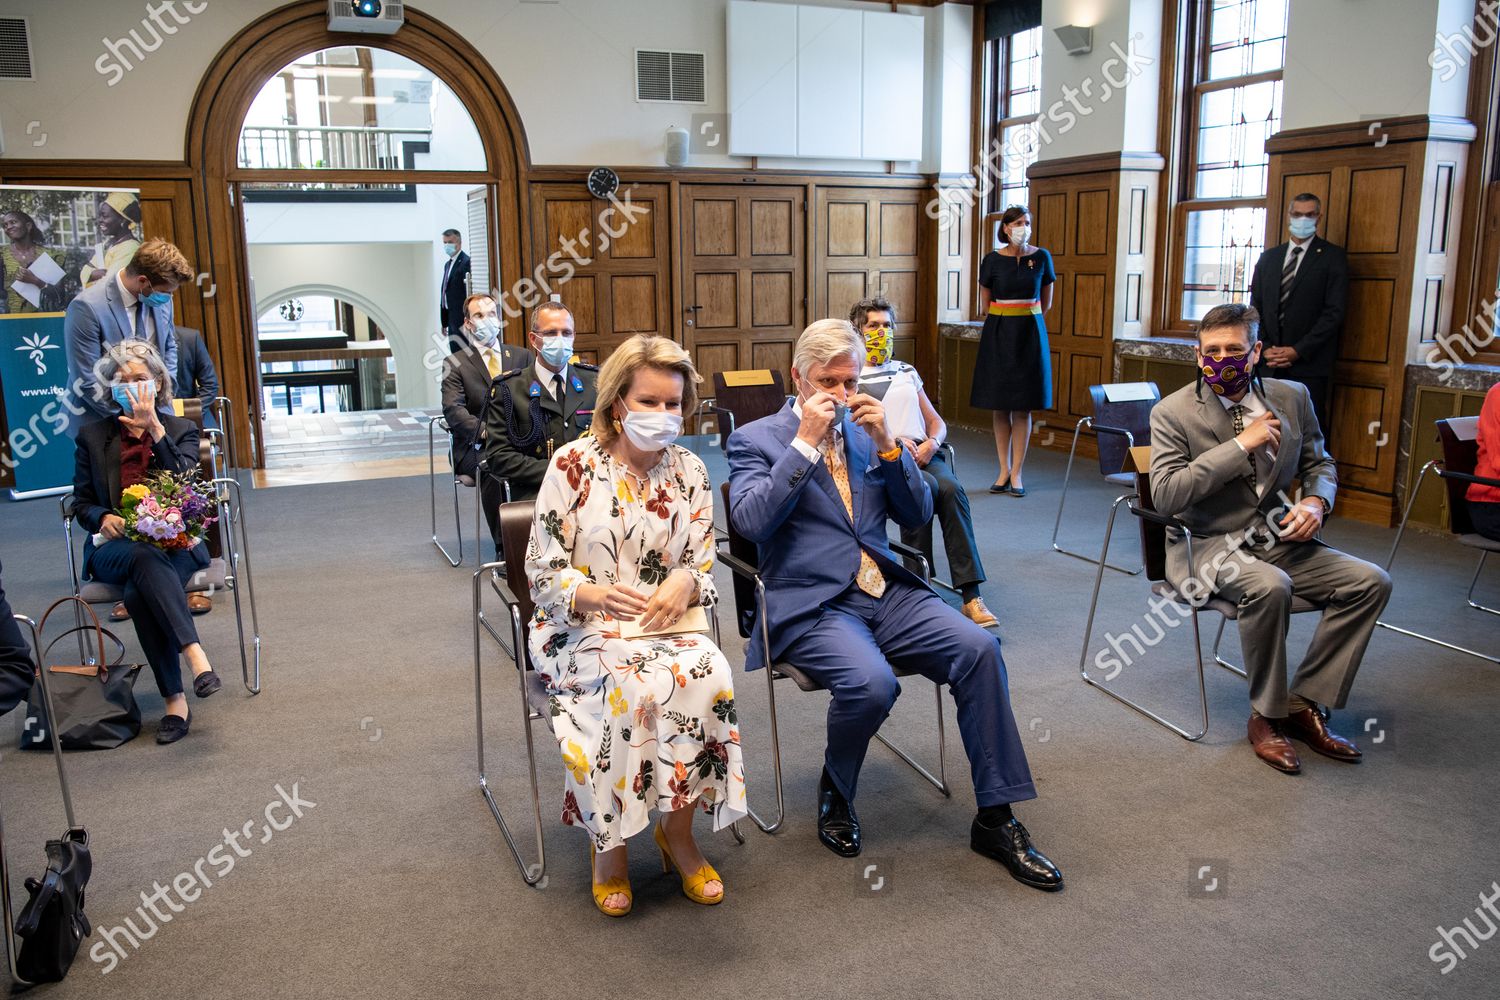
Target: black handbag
{"points": [[95, 702], [52, 924]]}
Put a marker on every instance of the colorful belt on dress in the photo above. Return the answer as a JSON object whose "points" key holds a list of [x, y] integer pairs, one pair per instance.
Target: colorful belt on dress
{"points": [[1016, 307]]}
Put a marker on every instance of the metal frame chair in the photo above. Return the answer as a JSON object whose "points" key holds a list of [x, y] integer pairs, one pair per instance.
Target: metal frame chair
{"points": [[747, 574], [1117, 426], [458, 480], [230, 570], [11, 948], [1154, 525], [515, 531], [1458, 437]]}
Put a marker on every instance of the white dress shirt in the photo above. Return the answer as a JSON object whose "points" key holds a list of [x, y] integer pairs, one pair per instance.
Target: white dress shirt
{"points": [[1301, 257], [130, 299], [545, 376], [1265, 455]]}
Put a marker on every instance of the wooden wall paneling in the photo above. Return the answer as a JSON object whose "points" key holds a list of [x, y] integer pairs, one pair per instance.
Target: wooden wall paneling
{"points": [[743, 275]]}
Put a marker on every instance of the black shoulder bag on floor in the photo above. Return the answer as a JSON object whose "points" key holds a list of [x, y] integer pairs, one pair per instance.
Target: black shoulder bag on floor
{"points": [[95, 702], [52, 924]]}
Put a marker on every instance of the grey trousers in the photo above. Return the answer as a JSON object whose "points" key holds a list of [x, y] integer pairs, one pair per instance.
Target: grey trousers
{"points": [[1352, 593]]}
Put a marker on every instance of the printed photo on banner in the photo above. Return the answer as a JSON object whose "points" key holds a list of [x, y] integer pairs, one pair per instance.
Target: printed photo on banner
{"points": [[57, 242]]}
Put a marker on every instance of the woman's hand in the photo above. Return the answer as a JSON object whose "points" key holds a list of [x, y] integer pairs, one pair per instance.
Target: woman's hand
{"points": [[112, 526], [96, 274], [25, 275], [670, 602], [143, 419], [616, 600]]}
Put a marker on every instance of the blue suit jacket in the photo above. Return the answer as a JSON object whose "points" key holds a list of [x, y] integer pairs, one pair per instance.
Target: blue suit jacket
{"points": [[97, 319], [791, 509]]}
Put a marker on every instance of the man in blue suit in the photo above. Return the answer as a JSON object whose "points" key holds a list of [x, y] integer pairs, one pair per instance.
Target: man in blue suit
{"points": [[136, 302], [812, 486]]}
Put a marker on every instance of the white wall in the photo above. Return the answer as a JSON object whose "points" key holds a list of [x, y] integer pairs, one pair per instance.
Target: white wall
{"points": [[1100, 117], [570, 68], [1349, 60], [379, 279]]}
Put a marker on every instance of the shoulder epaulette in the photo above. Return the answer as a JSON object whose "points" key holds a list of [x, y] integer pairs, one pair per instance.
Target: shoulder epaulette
{"points": [[510, 373]]}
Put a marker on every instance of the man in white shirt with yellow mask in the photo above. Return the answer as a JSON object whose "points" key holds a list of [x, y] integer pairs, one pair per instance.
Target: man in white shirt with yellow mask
{"points": [[916, 424]]}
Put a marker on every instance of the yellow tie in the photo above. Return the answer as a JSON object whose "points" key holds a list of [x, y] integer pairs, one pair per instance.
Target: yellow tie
{"points": [[492, 362], [869, 578]]}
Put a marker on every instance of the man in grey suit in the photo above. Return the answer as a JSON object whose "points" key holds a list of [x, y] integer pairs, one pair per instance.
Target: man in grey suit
{"points": [[136, 302], [1224, 451]]}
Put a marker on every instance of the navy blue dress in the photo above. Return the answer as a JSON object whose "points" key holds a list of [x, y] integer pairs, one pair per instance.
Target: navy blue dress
{"points": [[1014, 368]]}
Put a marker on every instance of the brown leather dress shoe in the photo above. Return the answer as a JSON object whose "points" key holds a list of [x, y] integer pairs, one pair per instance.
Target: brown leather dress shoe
{"points": [[118, 612], [980, 615], [200, 605], [1309, 727], [1272, 746]]}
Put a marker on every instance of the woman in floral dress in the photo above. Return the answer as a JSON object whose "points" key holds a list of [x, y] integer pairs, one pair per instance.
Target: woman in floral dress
{"points": [[624, 532]]}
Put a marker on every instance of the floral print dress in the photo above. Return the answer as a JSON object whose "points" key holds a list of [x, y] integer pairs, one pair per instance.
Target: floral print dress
{"points": [[647, 722]]}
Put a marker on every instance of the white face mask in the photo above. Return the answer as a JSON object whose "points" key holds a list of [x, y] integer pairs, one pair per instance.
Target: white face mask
{"points": [[485, 330], [1020, 235], [652, 430]]}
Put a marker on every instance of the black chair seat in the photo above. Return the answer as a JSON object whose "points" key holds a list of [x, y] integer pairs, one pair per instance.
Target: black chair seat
{"points": [[806, 683], [465, 481], [1228, 609], [537, 698], [1121, 479], [1480, 542]]}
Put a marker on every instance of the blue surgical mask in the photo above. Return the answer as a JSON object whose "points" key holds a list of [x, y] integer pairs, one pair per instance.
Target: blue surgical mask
{"points": [[1302, 228], [123, 398], [450, 249], [156, 299], [557, 351], [486, 330]]}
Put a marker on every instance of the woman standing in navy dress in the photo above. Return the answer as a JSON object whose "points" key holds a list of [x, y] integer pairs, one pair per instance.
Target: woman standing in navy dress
{"points": [[1013, 374]]}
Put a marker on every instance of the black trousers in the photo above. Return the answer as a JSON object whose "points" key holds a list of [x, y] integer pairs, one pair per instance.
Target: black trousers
{"points": [[154, 580], [950, 507], [491, 496], [1318, 387], [15, 659], [1486, 518]]}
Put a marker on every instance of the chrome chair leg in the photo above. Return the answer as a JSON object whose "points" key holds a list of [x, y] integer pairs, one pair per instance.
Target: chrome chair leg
{"points": [[234, 540], [1218, 638], [453, 560], [532, 874], [765, 638], [939, 780], [1088, 632], [1062, 500], [1391, 558], [1475, 582]]}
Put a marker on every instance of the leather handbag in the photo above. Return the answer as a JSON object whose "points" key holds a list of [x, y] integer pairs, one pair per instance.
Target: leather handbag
{"points": [[52, 924], [95, 702]]}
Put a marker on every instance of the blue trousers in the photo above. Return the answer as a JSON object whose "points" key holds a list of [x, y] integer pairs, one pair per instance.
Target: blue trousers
{"points": [[153, 580], [852, 651]]}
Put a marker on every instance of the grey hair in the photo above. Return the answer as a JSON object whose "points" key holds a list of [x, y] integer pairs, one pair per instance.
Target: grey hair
{"points": [[107, 369], [826, 340]]}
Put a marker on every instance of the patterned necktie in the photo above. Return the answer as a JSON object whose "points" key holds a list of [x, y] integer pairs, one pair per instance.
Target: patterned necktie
{"points": [[869, 578], [1287, 274], [1237, 413]]}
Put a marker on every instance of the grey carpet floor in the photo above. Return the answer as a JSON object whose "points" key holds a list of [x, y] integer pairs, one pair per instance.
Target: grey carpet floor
{"points": [[398, 884]]}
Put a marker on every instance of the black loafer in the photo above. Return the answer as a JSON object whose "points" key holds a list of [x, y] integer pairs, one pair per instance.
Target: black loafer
{"points": [[1018, 491], [1010, 844], [838, 826], [206, 684], [173, 728], [1001, 487]]}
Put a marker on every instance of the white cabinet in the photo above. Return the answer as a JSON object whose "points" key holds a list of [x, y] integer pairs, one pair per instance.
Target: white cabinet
{"points": [[762, 78], [827, 82], [830, 51], [891, 97]]}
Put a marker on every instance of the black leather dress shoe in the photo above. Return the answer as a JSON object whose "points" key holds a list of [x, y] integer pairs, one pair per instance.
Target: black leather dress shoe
{"points": [[173, 728], [838, 826], [1010, 844]]}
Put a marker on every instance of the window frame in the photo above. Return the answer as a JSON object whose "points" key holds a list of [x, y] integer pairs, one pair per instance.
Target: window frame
{"points": [[1197, 22], [998, 55]]}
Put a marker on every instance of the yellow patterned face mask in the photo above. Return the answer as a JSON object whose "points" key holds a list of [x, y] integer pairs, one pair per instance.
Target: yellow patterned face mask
{"points": [[879, 344]]}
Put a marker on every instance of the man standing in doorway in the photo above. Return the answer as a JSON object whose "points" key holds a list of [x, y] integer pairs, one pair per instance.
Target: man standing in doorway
{"points": [[1299, 291], [453, 288]]}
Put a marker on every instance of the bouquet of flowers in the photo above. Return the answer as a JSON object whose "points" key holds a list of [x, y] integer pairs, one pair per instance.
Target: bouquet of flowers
{"points": [[169, 510]]}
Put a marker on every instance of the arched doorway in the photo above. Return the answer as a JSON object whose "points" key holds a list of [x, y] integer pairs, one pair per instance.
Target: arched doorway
{"points": [[224, 98]]}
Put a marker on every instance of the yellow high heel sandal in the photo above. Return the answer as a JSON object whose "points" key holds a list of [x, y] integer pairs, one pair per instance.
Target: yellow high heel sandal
{"points": [[603, 890], [692, 885]]}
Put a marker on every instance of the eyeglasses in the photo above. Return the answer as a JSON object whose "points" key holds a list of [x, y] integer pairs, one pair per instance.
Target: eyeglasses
{"points": [[1219, 354]]}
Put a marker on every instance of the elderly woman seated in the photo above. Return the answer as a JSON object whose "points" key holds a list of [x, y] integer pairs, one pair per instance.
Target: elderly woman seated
{"points": [[113, 454], [622, 544]]}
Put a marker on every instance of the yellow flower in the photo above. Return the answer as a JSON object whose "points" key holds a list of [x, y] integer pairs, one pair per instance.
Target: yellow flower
{"points": [[132, 495], [576, 762], [617, 704]]}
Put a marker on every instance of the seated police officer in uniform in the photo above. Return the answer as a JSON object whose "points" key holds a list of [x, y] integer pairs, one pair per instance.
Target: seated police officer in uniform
{"points": [[535, 410], [916, 424], [467, 374]]}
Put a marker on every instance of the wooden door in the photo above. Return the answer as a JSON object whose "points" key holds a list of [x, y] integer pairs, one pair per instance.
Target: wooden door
{"points": [[744, 288]]}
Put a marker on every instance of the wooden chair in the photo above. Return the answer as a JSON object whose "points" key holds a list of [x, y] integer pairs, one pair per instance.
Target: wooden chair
{"points": [[743, 560], [1121, 421], [1459, 439]]}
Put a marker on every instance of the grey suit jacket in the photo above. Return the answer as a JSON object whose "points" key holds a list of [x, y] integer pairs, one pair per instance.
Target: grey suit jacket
{"points": [[1198, 471], [96, 319]]}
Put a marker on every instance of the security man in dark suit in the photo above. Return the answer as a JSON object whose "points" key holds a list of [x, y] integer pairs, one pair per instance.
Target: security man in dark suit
{"points": [[453, 287], [1299, 290], [467, 375], [533, 411]]}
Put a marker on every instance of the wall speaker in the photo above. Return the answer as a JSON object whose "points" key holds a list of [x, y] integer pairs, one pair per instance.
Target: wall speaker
{"points": [[677, 146]]}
